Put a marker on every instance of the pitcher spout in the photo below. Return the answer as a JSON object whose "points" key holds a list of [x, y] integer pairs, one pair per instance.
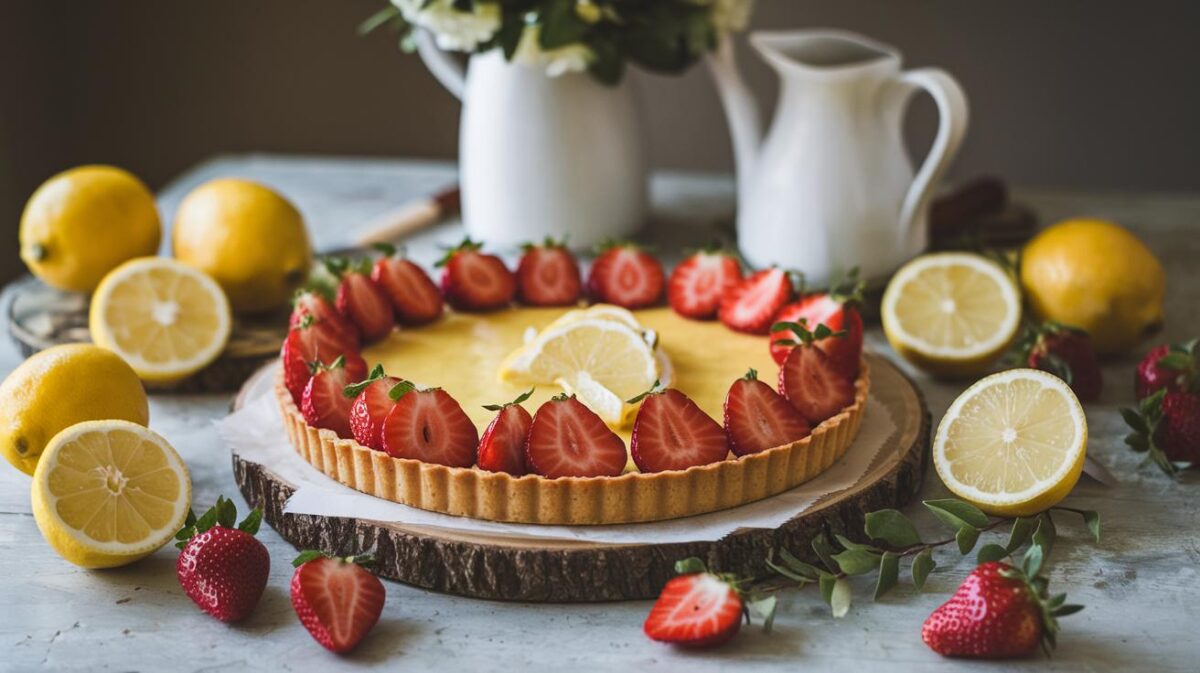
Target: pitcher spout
{"points": [[741, 112]]}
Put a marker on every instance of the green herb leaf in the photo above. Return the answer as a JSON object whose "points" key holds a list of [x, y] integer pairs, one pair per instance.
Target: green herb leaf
{"points": [[252, 521], [808, 570], [824, 550], [922, 565], [889, 573], [839, 599], [785, 571], [1135, 421], [954, 513], [891, 526], [966, 537], [847, 543], [689, 566], [1032, 563], [1092, 519], [1046, 533], [990, 552], [306, 556], [1022, 529], [857, 561], [826, 585], [765, 609]]}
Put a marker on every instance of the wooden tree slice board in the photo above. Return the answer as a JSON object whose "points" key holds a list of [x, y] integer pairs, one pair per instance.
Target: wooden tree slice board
{"points": [[536, 569], [39, 316]]}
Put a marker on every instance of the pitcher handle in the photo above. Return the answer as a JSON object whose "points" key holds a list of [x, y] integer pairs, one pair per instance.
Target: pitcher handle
{"points": [[952, 127], [443, 66]]}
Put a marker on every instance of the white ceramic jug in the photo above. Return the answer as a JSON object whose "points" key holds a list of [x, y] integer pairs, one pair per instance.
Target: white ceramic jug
{"points": [[543, 156], [831, 186]]}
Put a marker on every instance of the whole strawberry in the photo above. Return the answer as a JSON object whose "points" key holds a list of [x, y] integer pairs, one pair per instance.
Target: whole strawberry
{"points": [[1166, 422], [998, 612], [336, 599], [1170, 366], [223, 569], [1065, 352]]}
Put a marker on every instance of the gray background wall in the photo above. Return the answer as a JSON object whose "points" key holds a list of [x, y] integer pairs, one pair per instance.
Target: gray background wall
{"points": [[1097, 94]]}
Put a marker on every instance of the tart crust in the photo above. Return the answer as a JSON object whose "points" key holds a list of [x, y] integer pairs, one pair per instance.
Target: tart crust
{"points": [[629, 498]]}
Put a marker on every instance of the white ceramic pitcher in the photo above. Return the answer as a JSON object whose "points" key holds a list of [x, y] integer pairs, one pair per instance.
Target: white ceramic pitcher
{"points": [[543, 156], [831, 186]]}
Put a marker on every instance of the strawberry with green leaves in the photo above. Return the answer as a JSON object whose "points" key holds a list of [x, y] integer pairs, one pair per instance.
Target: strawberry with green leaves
{"points": [[810, 379], [673, 433], [413, 294], [429, 425], [336, 599], [998, 612], [1063, 351], [1175, 367], [324, 403], [361, 300], [548, 275], [627, 275], [370, 406], [502, 445], [837, 309], [222, 567], [701, 609], [475, 281]]}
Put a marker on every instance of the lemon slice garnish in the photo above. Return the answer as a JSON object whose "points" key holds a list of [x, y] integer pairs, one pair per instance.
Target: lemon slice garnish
{"points": [[166, 320], [602, 361], [107, 493], [951, 313], [1013, 444]]}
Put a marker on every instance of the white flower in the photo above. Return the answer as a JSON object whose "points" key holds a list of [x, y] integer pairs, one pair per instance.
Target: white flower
{"points": [[571, 58], [731, 15], [451, 28]]}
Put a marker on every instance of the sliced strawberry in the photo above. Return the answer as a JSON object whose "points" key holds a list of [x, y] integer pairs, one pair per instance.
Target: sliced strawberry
{"points": [[362, 301], [753, 303], [307, 343], [474, 281], [696, 610], [836, 309], [336, 599], [309, 305], [548, 275], [324, 404], [430, 426], [816, 386], [627, 276], [567, 439], [672, 433], [370, 407], [502, 446], [699, 282], [413, 294], [757, 418]]}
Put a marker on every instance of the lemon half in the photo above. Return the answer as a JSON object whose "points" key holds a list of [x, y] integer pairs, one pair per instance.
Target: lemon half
{"points": [[167, 320], [1013, 444], [107, 493], [951, 313]]}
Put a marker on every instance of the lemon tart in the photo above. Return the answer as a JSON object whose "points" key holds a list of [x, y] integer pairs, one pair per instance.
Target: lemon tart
{"points": [[481, 359]]}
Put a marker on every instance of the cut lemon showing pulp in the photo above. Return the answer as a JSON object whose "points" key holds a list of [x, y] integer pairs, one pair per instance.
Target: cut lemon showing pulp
{"points": [[602, 361], [951, 313], [1013, 444], [107, 493], [166, 320]]}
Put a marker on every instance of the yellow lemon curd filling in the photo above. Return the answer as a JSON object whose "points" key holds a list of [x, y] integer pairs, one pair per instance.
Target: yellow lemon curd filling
{"points": [[461, 353]]}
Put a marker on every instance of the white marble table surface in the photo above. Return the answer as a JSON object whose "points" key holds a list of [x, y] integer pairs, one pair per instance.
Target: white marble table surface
{"points": [[1139, 584]]}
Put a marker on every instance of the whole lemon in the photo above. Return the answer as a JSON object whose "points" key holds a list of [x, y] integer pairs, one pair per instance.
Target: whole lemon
{"points": [[251, 240], [1095, 275], [62, 386], [83, 223]]}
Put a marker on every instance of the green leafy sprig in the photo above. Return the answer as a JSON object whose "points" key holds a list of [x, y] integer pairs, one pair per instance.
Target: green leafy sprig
{"points": [[894, 538], [224, 514]]}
